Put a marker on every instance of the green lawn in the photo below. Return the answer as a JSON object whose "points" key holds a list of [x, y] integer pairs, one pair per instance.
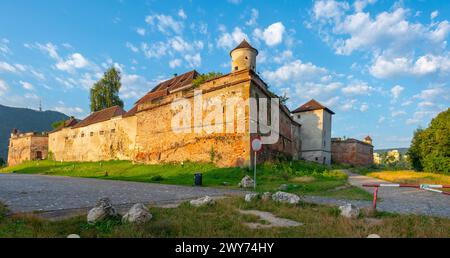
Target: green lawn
{"points": [[300, 176], [224, 220]]}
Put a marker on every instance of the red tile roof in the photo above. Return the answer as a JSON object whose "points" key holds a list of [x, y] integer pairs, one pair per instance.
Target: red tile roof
{"points": [[100, 116], [68, 123], [164, 88], [312, 105], [244, 44]]}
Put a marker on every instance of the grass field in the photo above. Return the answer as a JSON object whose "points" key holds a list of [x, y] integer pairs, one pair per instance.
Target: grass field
{"points": [[223, 220], [300, 176], [412, 177]]}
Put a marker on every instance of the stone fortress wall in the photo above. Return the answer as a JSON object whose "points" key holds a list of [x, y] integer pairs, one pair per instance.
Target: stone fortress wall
{"points": [[26, 147]]}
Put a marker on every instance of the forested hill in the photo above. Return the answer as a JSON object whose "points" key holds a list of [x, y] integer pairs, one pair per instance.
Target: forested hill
{"points": [[25, 120]]}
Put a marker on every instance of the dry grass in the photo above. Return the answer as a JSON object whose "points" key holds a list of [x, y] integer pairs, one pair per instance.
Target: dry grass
{"points": [[412, 177], [224, 220]]}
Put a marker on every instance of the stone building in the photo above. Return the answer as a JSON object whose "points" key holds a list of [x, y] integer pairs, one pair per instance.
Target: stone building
{"points": [[145, 133], [316, 131], [26, 147], [352, 152]]}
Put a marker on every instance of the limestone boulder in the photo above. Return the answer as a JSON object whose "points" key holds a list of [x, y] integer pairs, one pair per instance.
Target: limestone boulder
{"points": [[373, 236], [204, 201], [138, 214], [250, 197], [103, 210], [286, 198], [349, 211], [246, 182]]}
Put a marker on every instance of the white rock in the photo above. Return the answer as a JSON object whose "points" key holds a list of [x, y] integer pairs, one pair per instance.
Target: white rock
{"points": [[138, 214], [286, 198], [101, 211], [250, 197], [349, 211], [246, 182], [373, 236], [202, 201], [73, 236]]}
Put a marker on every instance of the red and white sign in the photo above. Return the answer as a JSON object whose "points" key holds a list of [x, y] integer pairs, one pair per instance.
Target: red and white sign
{"points": [[257, 144]]}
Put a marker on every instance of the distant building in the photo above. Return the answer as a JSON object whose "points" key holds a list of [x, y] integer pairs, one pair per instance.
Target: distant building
{"points": [[377, 159], [315, 131], [27, 146], [393, 156], [352, 152]]}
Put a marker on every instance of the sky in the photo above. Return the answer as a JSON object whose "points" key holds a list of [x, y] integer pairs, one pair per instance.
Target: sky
{"points": [[382, 66]]}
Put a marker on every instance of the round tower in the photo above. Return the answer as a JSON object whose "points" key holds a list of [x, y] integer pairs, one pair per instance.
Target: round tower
{"points": [[368, 140], [243, 57]]}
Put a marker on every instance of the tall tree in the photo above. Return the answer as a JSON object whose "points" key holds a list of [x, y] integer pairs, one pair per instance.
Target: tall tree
{"points": [[105, 93], [430, 148]]}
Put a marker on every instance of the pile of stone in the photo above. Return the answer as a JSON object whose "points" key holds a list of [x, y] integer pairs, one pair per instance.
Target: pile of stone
{"points": [[349, 211], [103, 210], [282, 197], [204, 201]]}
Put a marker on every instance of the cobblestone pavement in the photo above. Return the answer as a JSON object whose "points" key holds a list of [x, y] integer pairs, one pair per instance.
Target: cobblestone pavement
{"points": [[28, 193], [398, 200]]}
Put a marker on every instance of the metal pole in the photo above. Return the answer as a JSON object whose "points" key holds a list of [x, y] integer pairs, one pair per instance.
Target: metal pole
{"points": [[375, 197], [254, 173]]}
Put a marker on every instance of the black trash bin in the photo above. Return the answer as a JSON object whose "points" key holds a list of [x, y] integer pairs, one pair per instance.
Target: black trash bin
{"points": [[198, 179]]}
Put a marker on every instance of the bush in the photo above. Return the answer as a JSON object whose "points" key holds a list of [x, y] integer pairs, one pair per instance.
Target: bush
{"points": [[157, 178]]}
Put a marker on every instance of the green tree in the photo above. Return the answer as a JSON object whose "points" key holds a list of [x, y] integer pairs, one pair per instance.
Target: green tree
{"points": [[105, 93], [205, 77], [57, 124], [2, 162], [430, 148]]}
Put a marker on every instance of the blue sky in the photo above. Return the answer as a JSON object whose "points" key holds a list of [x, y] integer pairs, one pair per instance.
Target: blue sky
{"points": [[382, 66]]}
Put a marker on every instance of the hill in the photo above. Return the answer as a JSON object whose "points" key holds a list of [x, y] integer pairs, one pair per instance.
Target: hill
{"points": [[25, 120]]}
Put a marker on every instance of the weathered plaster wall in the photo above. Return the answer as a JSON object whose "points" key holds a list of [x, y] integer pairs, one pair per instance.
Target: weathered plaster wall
{"points": [[352, 152], [157, 142], [109, 140], [25, 147], [315, 135]]}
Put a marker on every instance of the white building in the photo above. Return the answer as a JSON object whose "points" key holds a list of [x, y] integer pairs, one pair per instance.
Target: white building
{"points": [[315, 131]]}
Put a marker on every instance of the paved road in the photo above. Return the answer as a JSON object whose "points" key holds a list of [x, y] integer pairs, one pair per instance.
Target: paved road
{"points": [[398, 200], [28, 193]]}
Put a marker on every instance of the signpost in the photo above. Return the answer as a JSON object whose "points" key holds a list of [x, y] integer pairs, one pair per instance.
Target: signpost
{"points": [[256, 147]]}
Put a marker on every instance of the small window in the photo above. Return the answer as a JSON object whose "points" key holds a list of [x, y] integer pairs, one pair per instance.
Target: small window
{"points": [[246, 58], [82, 135], [113, 130], [317, 159], [299, 116], [236, 68], [92, 133], [102, 132]]}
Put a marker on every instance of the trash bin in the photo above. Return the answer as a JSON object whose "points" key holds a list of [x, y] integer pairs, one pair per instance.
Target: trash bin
{"points": [[198, 179]]}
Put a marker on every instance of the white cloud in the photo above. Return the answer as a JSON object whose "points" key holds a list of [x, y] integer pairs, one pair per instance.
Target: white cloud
{"points": [[358, 88], [361, 4], [5, 67], [27, 85], [381, 119], [253, 18], [4, 49], [230, 40], [72, 63], [364, 107], [397, 113], [70, 111], [294, 71], [155, 50], [165, 23], [175, 63], [3, 87], [182, 14], [193, 60], [132, 47], [235, 1], [272, 35], [434, 14], [141, 31], [284, 57], [402, 66], [326, 9], [396, 91]]}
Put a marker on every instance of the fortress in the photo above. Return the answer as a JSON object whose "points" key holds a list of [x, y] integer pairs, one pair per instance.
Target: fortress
{"points": [[212, 132]]}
